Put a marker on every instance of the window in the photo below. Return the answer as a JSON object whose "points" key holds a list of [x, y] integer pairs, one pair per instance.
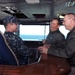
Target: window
{"points": [[63, 30], [2, 29], [34, 32]]}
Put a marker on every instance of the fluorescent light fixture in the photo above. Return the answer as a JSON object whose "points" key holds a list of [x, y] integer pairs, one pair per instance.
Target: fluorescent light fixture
{"points": [[10, 10], [60, 16], [32, 1]]}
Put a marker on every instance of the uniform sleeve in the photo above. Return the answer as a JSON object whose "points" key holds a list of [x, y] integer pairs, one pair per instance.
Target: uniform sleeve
{"points": [[61, 52], [22, 49], [58, 47], [67, 51], [70, 46]]}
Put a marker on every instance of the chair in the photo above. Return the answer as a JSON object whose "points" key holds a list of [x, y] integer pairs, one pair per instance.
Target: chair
{"points": [[7, 56]]}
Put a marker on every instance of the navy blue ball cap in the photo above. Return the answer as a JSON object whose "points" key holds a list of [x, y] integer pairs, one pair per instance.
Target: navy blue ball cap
{"points": [[12, 19]]}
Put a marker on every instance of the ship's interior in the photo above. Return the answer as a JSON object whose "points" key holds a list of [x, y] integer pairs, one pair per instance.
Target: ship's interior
{"points": [[35, 14], [34, 17]]}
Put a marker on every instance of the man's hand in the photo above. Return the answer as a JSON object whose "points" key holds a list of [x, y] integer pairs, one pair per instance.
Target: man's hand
{"points": [[43, 41], [43, 49], [47, 45]]}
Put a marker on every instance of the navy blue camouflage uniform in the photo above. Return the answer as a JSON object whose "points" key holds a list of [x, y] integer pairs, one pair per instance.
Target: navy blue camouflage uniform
{"points": [[18, 47]]}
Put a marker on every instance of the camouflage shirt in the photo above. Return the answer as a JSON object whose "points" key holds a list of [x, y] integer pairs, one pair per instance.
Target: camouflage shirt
{"points": [[16, 44]]}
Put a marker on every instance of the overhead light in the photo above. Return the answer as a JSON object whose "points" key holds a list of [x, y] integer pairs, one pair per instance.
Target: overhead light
{"points": [[10, 10], [70, 3], [61, 16], [32, 1]]}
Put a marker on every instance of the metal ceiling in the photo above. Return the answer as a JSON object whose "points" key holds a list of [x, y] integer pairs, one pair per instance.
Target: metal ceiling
{"points": [[44, 11]]}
